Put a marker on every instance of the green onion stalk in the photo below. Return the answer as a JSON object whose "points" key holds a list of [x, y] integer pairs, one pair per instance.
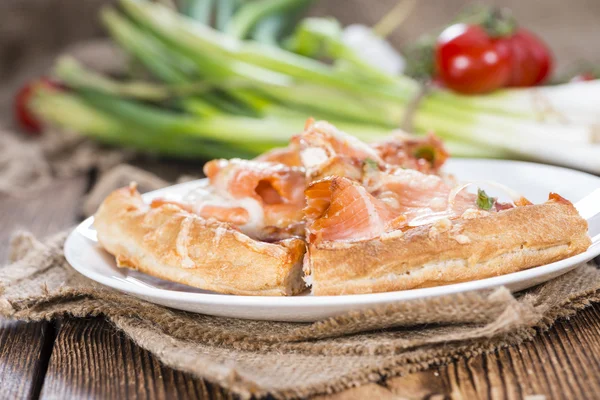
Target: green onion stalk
{"points": [[217, 93]]}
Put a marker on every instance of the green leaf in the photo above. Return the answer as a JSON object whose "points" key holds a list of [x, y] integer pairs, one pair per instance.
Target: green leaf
{"points": [[484, 201], [426, 152], [371, 164]]}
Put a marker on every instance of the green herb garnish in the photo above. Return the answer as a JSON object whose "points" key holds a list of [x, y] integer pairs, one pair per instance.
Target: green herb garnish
{"points": [[426, 152], [371, 164], [484, 201]]}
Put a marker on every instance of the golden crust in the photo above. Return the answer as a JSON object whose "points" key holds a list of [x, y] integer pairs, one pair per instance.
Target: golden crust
{"points": [[449, 251], [173, 244]]}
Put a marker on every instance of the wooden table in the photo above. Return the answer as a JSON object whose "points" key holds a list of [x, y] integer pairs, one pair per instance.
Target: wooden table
{"points": [[88, 358]]}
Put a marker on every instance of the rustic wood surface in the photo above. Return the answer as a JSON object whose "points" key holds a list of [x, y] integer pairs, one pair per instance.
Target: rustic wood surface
{"points": [[77, 358], [91, 360]]}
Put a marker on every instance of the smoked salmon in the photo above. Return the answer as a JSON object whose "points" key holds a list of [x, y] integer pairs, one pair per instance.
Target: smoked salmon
{"points": [[425, 154], [340, 209], [289, 156], [342, 188], [262, 199], [379, 176], [422, 198]]}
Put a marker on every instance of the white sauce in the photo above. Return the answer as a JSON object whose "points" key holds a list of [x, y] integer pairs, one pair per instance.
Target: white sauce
{"points": [[181, 244]]}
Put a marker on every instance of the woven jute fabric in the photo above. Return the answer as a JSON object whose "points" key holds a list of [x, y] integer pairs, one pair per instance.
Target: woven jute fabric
{"points": [[293, 359]]}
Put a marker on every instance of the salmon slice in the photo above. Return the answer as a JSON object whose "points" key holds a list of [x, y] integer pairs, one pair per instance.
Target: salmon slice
{"points": [[422, 198], [340, 209], [268, 182], [289, 156], [265, 199], [332, 141], [325, 151], [425, 154]]}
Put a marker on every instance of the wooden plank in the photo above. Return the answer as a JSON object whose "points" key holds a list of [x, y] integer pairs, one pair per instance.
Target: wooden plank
{"points": [[92, 360], [24, 353], [25, 347], [560, 363]]}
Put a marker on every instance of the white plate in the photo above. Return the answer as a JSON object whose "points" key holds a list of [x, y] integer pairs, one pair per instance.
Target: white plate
{"points": [[532, 180]]}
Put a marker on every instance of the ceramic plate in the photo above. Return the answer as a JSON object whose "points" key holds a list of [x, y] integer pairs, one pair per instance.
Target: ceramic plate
{"points": [[532, 180]]}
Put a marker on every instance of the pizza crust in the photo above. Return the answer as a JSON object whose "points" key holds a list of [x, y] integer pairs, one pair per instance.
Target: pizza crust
{"points": [[173, 244], [449, 251]]}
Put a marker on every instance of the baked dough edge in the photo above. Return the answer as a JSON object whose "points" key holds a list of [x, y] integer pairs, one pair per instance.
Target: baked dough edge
{"points": [[449, 251], [172, 244]]}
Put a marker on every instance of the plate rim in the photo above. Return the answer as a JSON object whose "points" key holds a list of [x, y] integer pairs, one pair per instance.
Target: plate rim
{"points": [[316, 301]]}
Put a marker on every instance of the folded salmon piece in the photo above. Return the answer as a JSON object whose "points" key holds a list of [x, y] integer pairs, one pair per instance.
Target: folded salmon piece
{"points": [[323, 150], [264, 197], [264, 200], [341, 209]]}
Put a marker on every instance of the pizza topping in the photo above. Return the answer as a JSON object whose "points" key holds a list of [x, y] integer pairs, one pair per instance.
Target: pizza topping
{"points": [[370, 165], [330, 186], [558, 198], [233, 215], [499, 206], [326, 151], [289, 156], [484, 201], [264, 199], [340, 209], [425, 154], [422, 198]]}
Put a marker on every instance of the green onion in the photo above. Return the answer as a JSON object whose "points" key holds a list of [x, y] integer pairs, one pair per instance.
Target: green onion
{"points": [[200, 10], [244, 96], [252, 12]]}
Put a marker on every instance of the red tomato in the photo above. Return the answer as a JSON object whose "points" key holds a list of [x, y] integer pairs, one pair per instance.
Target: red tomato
{"points": [[22, 113], [531, 59], [468, 60]]}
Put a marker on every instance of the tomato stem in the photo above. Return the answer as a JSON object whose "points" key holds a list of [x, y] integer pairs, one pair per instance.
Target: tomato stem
{"points": [[499, 22]]}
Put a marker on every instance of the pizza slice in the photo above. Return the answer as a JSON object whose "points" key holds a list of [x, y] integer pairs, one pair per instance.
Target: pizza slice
{"points": [[385, 227], [237, 232]]}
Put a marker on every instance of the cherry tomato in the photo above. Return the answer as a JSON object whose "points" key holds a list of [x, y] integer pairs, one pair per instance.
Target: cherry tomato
{"points": [[531, 59], [22, 112], [468, 60]]}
